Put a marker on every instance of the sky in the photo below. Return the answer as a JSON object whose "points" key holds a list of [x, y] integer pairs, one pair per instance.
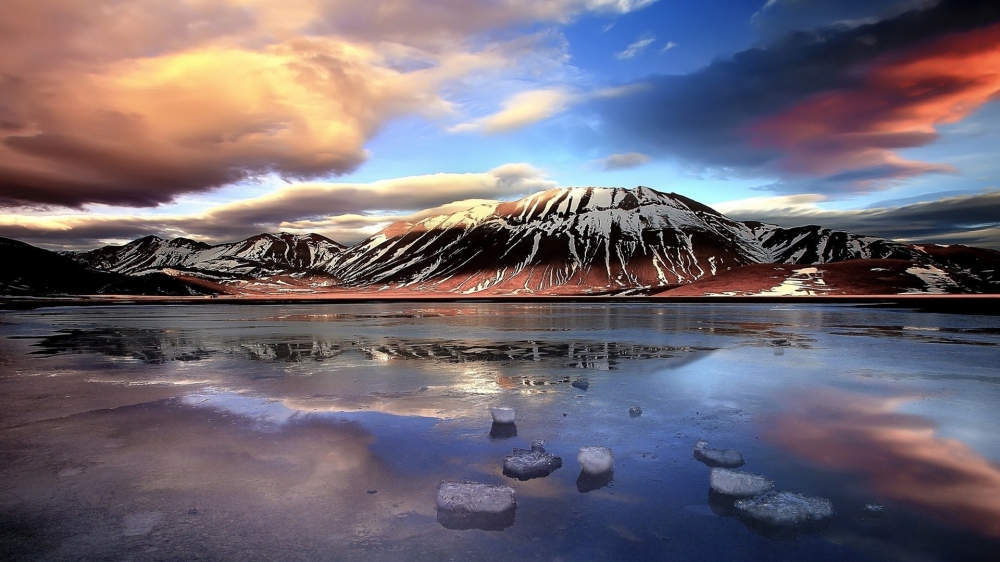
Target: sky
{"points": [[220, 119]]}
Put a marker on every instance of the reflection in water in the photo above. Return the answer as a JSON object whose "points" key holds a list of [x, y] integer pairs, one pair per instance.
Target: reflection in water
{"points": [[322, 431], [898, 452], [587, 482], [291, 351], [146, 345], [934, 335], [158, 346], [463, 521], [503, 430]]}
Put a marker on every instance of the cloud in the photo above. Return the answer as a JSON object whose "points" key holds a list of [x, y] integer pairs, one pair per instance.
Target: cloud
{"points": [[961, 219], [136, 103], [624, 161], [778, 17], [346, 212], [520, 110], [636, 48], [830, 108], [668, 46]]}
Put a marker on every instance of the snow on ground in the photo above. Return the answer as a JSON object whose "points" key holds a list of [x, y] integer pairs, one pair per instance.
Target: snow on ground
{"points": [[937, 281]]}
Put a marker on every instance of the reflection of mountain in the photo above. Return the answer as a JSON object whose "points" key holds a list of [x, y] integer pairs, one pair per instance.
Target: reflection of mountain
{"points": [[148, 346], [291, 351], [572, 241], [158, 346]]}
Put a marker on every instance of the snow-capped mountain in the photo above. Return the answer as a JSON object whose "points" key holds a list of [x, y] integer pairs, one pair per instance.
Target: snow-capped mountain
{"points": [[578, 240], [31, 271], [257, 256], [600, 240], [561, 241]]}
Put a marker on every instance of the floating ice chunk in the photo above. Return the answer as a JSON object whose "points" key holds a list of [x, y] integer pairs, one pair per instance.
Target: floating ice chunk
{"points": [[503, 415], [596, 460], [473, 505], [475, 497], [785, 509], [634, 411], [738, 483], [725, 458], [874, 509], [525, 464]]}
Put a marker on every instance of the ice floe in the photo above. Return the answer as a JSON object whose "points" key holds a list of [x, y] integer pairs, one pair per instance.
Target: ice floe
{"points": [[739, 484], [785, 509], [503, 415], [473, 505], [596, 460], [721, 458]]}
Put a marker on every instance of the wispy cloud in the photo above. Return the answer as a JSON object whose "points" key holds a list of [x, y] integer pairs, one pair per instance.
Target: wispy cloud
{"points": [[623, 161], [520, 110], [668, 46], [636, 48]]}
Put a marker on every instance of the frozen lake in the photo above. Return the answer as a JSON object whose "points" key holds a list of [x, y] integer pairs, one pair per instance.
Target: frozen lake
{"points": [[322, 432]]}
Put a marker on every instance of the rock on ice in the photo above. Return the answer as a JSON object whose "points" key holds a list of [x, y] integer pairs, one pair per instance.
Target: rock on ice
{"points": [[634, 411], [739, 484], [785, 509], [725, 458], [525, 464], [503, 415], [596, 460]]}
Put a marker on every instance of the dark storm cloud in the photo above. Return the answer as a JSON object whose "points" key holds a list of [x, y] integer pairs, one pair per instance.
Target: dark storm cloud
{"points": [[964, 219], [778, 17], [829, 108]]}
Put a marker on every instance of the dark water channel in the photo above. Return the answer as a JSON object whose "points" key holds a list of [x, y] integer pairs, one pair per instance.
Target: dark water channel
{"points": [[322, 432]]}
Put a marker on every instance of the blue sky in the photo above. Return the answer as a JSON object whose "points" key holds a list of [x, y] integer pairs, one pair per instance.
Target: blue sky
{"points": [[216, 120]]}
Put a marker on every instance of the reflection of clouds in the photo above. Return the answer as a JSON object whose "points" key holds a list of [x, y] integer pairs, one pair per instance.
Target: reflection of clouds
{"points": [[900, 454]]}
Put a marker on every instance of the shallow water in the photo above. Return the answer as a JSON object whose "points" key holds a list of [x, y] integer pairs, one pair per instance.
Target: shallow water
{"points": [[321, 432]]}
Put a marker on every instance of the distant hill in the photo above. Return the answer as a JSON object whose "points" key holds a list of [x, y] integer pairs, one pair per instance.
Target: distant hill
{"points": [[31, 271]]}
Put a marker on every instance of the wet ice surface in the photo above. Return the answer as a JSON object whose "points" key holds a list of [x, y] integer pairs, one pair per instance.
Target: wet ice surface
{"points": [[323, 433]]}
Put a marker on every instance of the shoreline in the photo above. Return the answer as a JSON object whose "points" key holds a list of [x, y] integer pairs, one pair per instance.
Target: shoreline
{"points": [[958, 304]]}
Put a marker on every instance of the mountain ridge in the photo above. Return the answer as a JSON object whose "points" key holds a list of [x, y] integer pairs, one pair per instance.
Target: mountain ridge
{"points": [[570, 241]]}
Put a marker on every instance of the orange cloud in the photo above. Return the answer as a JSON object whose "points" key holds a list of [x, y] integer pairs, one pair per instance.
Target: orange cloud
{"points": [[898, 102], [134, 103], [899, 453]]}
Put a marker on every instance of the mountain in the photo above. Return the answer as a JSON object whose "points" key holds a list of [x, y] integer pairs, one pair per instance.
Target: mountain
{"points": [[567, 241], [256, 257], [612, 240], [582, 240], [31, 271]]}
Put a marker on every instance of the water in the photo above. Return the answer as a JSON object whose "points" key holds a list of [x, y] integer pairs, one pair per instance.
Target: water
{"points": [[321, 432]]}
